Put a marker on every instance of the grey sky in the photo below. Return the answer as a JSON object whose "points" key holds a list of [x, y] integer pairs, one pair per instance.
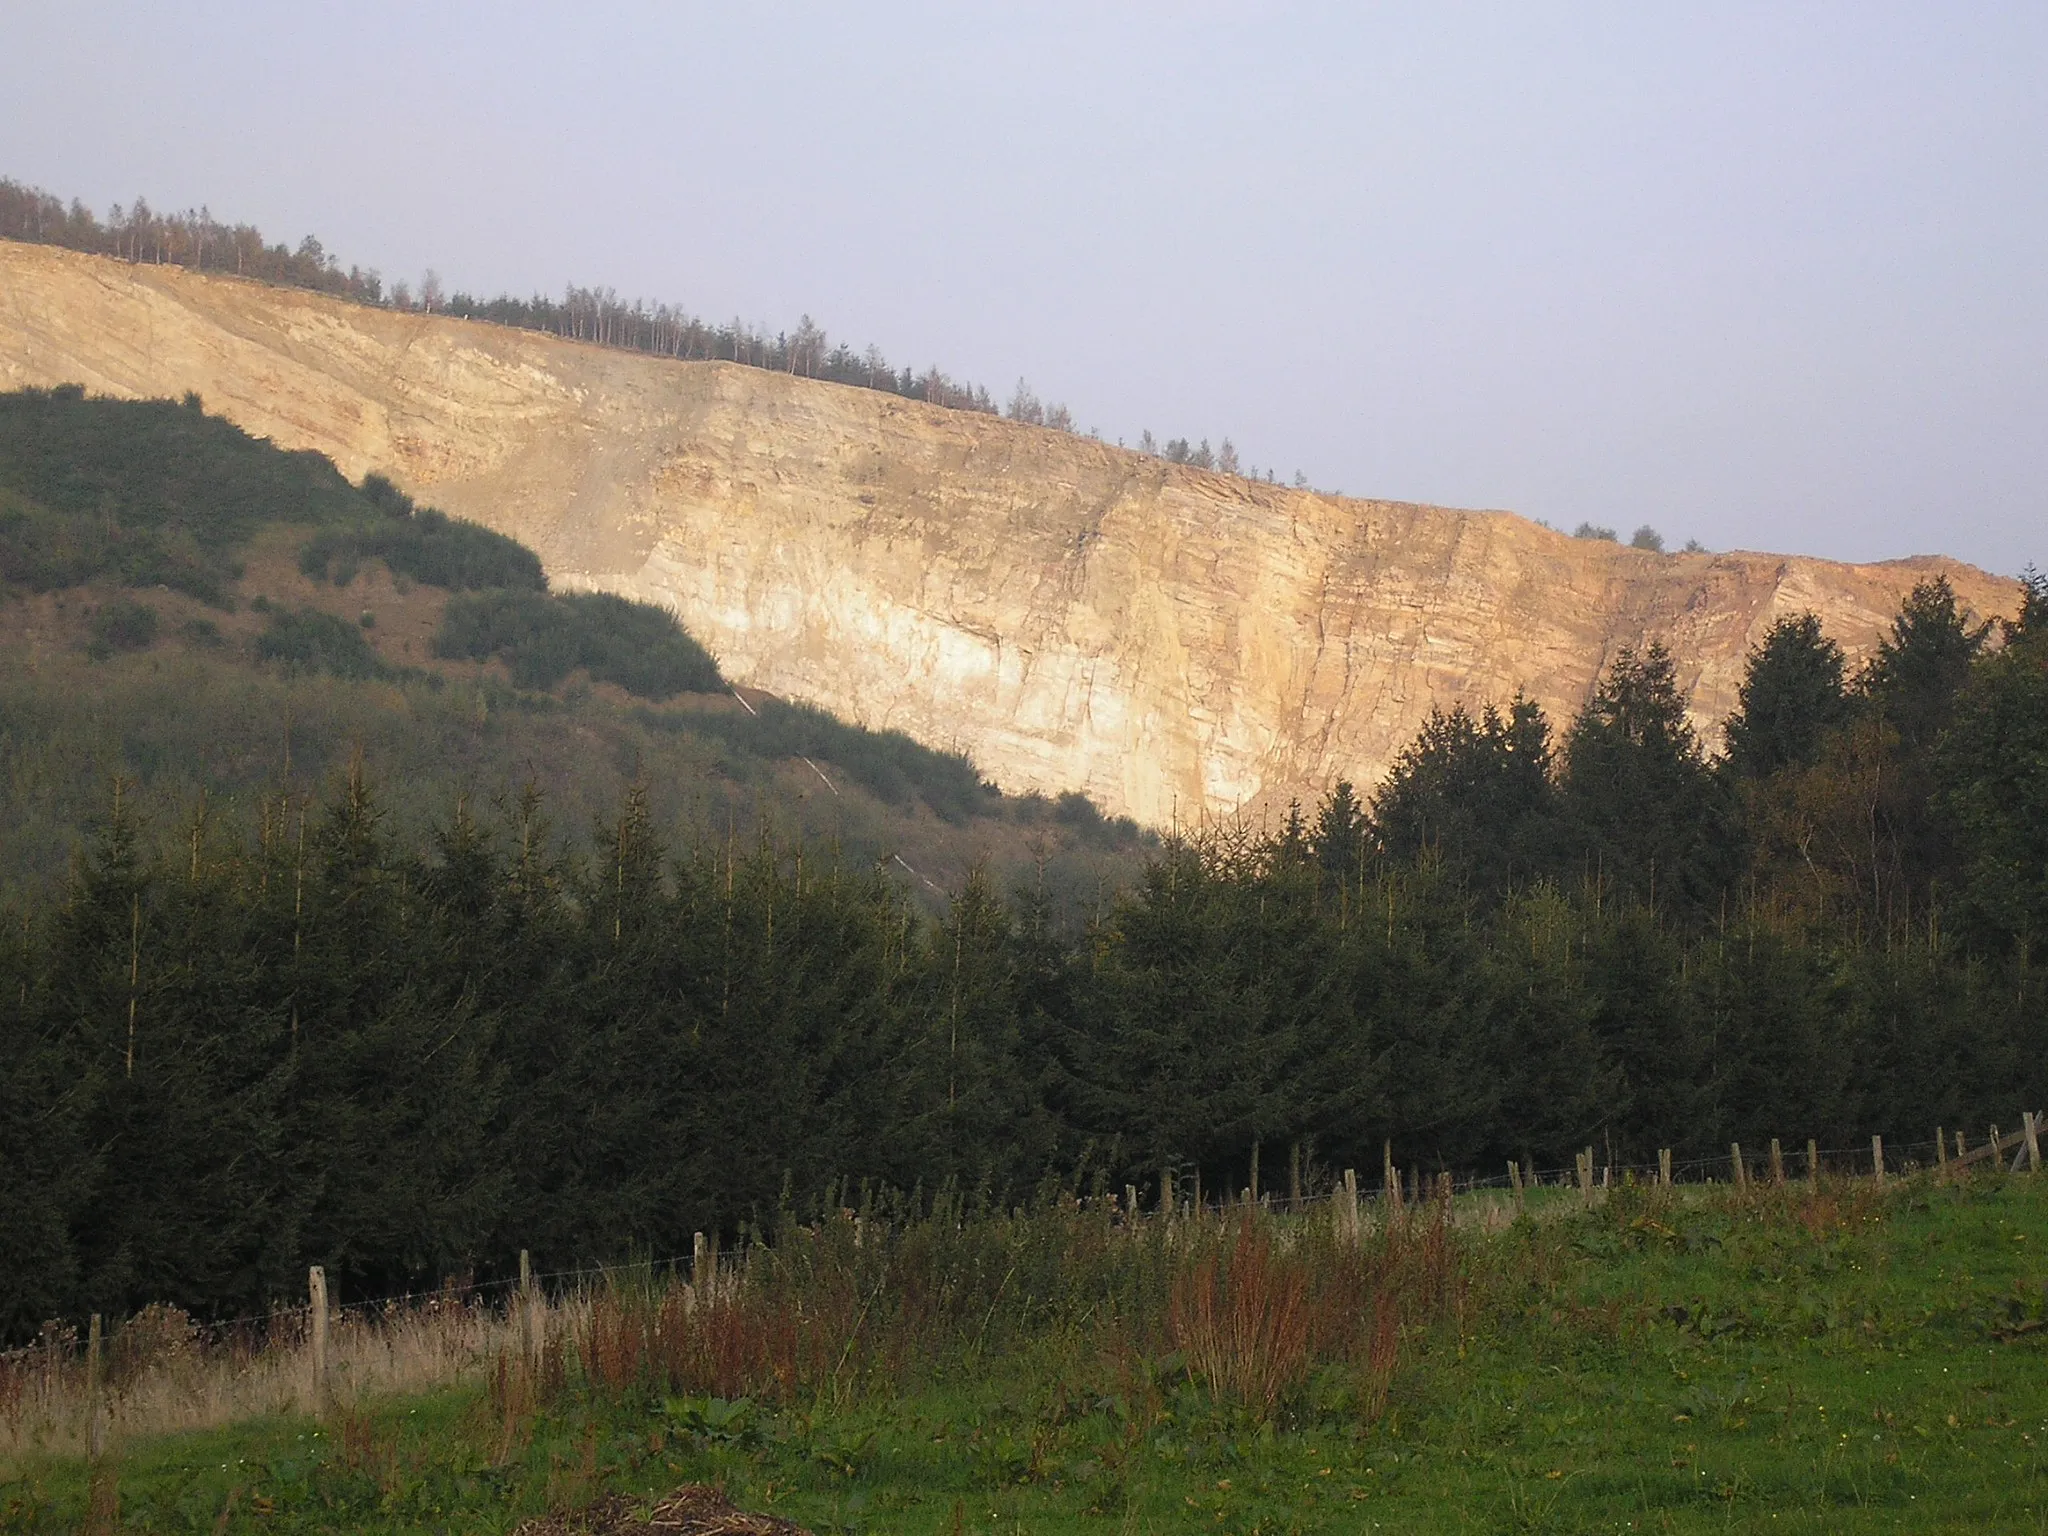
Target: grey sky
{"points": [[1771, 276]]}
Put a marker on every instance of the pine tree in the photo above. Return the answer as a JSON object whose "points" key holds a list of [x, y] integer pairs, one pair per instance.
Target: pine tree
{"points": [[1560, 1085]]}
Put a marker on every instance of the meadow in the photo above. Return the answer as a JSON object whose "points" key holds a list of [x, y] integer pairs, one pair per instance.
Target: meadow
{"points": [[1834, 1356]]}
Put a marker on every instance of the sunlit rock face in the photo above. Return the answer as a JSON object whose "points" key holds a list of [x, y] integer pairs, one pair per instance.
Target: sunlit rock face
{"points": [[1174, 642]]}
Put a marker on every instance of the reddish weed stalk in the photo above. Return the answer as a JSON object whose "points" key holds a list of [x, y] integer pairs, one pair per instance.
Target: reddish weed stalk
{"points": [[1245, 1318]]}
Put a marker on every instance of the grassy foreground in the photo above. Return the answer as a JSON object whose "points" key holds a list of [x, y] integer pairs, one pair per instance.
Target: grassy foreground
{"points": [[1842, 1359]]}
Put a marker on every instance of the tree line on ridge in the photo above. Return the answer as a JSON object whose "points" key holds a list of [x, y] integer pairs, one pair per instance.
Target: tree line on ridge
{"points": [[194, 238]]}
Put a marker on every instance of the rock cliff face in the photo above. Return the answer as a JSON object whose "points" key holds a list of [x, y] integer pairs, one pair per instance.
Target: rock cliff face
{"points": [[1073, 615]]}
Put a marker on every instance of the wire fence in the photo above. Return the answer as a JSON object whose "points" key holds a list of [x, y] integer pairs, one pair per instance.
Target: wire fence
{"points": [[287, 1324]]}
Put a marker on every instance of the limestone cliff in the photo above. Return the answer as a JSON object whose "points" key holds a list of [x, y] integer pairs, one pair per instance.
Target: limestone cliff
{"points": [[1073, 615]]}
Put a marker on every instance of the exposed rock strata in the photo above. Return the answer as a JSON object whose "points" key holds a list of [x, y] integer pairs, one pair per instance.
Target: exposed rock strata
{"points": [[1074, 615]]}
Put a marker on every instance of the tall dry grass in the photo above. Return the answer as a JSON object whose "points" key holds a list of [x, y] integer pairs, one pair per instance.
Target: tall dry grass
{"points": [[163, 1373]]}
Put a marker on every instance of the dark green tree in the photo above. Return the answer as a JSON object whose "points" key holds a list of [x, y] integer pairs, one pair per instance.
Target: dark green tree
{"points": [[46, 1165], [1647, 817], [1559, 1081], [1991, 772], [1922, 664], [1793, 693], [1646, 1026], [1476, 793], [1908, 695], [1341, 833], [1775, 1061], [392, 1078]]}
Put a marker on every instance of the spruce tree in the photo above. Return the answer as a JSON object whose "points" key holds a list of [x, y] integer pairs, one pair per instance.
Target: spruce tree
{"points": [[1991, 776], [1908, 695], [46, 1165], [1476, 793], [1647, 818], [1792, 695], [1559, 1083], [1341, 831], [1922, 664]]}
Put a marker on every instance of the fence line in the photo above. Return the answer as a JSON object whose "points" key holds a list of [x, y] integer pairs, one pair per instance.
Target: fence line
{"points": [[1586, 1174]]}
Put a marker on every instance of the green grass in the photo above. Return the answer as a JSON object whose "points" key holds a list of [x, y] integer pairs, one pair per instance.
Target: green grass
{"points": [[1852, 1363]]}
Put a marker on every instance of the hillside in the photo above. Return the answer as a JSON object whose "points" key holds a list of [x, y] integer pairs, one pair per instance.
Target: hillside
{"points": [[1071, 615], [224, 624]]}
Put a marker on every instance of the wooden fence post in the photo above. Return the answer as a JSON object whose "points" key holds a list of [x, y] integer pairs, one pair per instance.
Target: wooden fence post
{"points": [[1664, 1167], [1959, 1146], [1390, 1190], [1294, 1177], [2031, 1130], [1877, 1158], [1741, 1169], [1777, 1163], [316, 1301], [95, 1393], [700, 1259], [1586, 1175], [1347, 1207], [527, 1342], [1515, 1181], [1166, 1191], [1940, 1154], [1812, 1161]]}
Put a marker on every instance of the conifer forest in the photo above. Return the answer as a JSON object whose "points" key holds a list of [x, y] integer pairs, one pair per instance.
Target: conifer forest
{"points": [[300, 1034]]}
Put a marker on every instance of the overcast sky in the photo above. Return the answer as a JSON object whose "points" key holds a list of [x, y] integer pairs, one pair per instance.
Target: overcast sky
{"points": [[1772, 276]]}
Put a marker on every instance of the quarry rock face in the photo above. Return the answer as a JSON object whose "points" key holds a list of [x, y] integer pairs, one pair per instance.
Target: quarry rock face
{"points": [[1075, 616]]}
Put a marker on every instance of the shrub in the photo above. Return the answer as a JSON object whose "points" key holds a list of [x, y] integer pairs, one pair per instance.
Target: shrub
{"points": [[122, 626], [542, 639], [145, 492], [427, 546], [318, 642]]}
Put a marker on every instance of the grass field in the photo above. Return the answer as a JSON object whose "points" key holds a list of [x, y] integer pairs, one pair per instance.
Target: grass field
{"points": [[1839, 1359]]}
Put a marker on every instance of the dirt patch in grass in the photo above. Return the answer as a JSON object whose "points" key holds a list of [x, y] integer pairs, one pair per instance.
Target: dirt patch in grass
{"points": [[692, 1510]]}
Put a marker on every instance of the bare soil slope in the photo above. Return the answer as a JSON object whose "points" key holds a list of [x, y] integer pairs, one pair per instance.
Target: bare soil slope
{"points": [[1074, 615]]}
